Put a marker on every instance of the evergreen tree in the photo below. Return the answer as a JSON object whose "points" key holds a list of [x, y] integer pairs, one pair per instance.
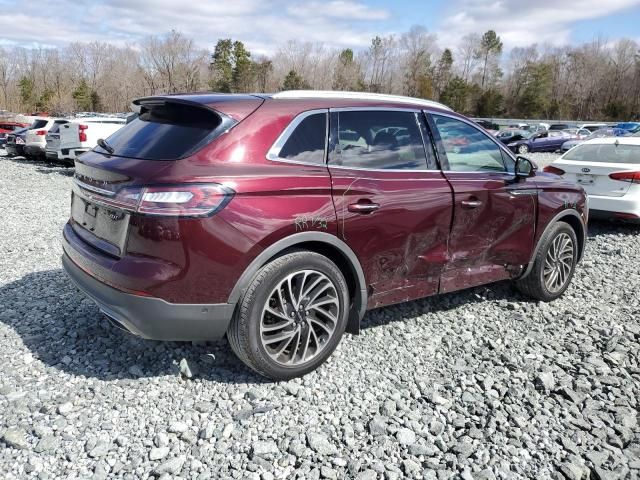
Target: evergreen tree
{"points": [[490, 48], [455, 94], [82, 96], [26, 92], [221, 66], [293, 81]]}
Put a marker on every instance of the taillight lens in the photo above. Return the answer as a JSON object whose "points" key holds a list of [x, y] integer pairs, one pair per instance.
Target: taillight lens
{"points": [[632, 177], [552, 169], [82, 134], [41, 133], [189, 200]]}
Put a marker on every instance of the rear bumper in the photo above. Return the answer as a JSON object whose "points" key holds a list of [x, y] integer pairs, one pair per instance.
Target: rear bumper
{"points": [[51, 155], [150, 317], [626, 207], [14, 149], [34, 150]]}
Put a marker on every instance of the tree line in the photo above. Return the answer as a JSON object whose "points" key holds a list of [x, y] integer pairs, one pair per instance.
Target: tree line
{"points": [[597, 80]]}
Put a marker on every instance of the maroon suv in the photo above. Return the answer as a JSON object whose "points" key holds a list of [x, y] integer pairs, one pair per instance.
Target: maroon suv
{"points": [[278, 220]]}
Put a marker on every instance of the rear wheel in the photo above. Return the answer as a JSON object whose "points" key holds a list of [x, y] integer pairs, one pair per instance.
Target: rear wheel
{"points": [[292, 316], [554, 264], [523, 149]]}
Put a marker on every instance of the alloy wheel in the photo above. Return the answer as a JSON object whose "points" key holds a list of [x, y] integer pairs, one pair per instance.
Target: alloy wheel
{"points": [[558, 263], [300, 316]]}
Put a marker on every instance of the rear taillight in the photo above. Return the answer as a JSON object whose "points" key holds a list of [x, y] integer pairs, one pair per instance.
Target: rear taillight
{"points": [[631, 177], [189, 200], [552, 169], [82, 134], [41, 133]]}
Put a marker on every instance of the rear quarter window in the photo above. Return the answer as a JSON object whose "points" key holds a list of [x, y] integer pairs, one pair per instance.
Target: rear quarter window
{"points": [[165, 131], [604, 153], [306, 143]]}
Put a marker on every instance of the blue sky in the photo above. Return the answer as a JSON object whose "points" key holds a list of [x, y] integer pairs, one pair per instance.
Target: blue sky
{"points": [[265, 24]]}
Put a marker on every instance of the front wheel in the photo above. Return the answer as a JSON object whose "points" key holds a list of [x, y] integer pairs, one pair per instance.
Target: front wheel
{"points": [[554, 264], [522, 149], [291, 317]]}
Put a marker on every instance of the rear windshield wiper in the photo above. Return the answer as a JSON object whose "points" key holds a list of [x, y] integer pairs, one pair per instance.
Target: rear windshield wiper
{"points": [[105, 146]]}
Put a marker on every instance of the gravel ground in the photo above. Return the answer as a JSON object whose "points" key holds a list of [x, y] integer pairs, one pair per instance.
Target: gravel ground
{"points": [[481, 384]]}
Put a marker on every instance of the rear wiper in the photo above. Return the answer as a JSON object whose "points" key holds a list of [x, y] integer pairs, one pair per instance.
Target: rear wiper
{"points": [[105, 146]]}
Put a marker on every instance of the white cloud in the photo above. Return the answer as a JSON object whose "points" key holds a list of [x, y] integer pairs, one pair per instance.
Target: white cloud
{"points": [[338, 9], [263, 24], [523, 23]]}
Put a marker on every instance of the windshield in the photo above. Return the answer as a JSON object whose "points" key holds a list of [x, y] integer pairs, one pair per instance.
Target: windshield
{"points": [[604, 153]]}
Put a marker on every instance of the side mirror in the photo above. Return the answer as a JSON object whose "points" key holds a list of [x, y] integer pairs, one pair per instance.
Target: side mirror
{"points": [[525, 168]]}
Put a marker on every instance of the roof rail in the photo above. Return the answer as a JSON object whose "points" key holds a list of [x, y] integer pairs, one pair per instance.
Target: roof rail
{"points": [[378, 97]]}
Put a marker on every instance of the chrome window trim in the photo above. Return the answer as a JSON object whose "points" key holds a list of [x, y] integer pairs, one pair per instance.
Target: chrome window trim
{"points": [[500, 145], [375, 109], [415, 111], [397, 170], [273, 153]]}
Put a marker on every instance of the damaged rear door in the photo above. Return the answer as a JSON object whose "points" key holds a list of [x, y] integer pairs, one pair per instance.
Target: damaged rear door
{"points": [[393, 204]]}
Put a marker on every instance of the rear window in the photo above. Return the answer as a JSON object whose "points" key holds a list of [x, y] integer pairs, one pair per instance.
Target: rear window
{"points": [[38, 124], [167, 131], [55, 128], [607, 153]]}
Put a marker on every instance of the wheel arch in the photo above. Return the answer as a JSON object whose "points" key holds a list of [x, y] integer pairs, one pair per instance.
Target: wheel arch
{"points": [[324, 244], [574, 220]]}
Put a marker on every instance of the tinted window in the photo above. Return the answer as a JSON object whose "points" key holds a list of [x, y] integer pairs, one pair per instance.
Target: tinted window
{"points": [[55, 128], [607, 153], [379, 140], [38, 124], [167, 131], [306, 143], [467, 148]]}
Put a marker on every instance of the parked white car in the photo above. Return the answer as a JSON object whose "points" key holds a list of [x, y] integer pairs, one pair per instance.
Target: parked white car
{"points": [[592, 127], [52, 139], [82, 134], [35, 142], [608, 169]]}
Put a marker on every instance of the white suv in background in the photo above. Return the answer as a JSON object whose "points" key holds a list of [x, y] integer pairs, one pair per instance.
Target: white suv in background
{"points": [[35, 142], [82, 134]]}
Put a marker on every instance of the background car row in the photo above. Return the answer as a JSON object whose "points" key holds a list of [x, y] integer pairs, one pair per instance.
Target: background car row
{"points": [[522, 138], [59, 139]]}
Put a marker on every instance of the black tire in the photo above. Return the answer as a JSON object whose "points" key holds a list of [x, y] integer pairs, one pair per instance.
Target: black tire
{"points": [[523, 149], [534, 284], [244, 332]]}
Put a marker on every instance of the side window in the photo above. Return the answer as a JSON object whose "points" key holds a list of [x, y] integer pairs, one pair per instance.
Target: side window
{"points": [[307, 142], [467, 148], [379, 139]]}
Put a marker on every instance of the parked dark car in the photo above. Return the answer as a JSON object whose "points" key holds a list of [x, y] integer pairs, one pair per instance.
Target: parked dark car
{"points": [[487, 125], [512, 135], [15, 142], [559, 126], [279, 220], [9, 127], [540, 142]]}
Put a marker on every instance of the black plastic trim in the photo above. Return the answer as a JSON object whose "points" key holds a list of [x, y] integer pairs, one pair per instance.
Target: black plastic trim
{"points": [[153, 318]]}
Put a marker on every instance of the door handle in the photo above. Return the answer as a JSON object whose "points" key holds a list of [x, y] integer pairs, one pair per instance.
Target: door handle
{"points": [[363, 207], [471, 203]]}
